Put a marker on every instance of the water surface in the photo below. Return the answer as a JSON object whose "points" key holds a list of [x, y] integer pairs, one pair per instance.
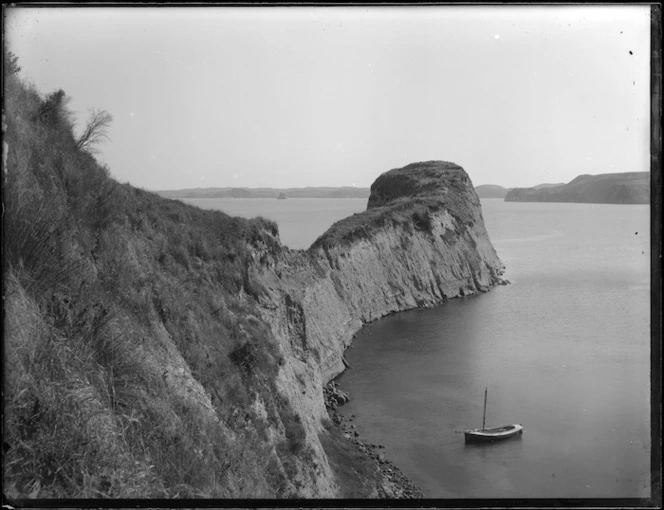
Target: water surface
{"points": [[564, 350], [300, 220]]}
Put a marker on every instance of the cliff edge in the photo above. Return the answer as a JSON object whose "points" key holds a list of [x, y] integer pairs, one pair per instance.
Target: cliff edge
{"points": [[420, 242]]}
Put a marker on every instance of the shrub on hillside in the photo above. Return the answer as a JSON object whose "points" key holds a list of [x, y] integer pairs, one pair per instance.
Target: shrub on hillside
{"points": [[95, 131], [10, 61]]}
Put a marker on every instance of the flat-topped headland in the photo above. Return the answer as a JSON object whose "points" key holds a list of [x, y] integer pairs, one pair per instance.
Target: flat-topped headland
{"points": [[420, 242]]}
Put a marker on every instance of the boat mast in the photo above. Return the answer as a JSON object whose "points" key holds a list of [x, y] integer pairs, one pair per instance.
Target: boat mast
{"points": [[484, 417]]}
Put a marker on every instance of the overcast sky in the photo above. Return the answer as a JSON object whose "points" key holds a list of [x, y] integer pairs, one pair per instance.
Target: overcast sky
{"points": [[334, 96]]}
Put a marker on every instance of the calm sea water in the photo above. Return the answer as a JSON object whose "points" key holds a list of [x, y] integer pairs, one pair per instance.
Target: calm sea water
{"points": [[300, 220], [564, 350]]}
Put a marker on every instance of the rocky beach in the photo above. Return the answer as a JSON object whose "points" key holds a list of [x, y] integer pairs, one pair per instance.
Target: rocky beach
{"points": [[393, 483]]}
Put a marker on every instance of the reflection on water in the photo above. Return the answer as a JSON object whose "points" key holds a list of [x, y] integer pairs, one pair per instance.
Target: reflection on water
{"points": [[564, 350]]}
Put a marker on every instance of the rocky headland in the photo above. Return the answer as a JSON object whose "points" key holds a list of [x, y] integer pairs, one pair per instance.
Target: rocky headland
{"points": [[618, 188], [420, 242]]}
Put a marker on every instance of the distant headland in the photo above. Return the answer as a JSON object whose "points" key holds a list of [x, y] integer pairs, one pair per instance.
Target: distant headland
{"points": [[490, 191], [618, 188], [308, 192]]}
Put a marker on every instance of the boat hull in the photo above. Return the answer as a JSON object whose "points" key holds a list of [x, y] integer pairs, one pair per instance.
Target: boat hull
{"points": [[494, 434]]}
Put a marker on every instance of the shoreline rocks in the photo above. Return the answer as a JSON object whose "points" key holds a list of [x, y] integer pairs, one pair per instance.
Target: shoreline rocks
{"points": [[394, 484], [333, 396]]}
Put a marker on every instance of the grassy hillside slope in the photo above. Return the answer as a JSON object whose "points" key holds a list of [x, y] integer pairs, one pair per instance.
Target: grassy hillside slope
{"points": [[137, 363]]}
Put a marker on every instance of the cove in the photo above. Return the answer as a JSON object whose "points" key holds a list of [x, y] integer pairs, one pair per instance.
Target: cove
{"points": [[564, 350]]}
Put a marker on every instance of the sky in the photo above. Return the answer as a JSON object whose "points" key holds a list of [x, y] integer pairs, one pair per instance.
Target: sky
{"points": [[335, 96]]}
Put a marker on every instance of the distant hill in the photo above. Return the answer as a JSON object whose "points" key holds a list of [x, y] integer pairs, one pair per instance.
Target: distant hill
{"points": [[621, 188], [548, 185], [309, 192], [490, 191]]}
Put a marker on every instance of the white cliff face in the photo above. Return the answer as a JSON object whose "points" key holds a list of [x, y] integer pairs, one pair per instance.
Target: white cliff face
{"points": [[410, 252], [403, 253], [393, 271]]}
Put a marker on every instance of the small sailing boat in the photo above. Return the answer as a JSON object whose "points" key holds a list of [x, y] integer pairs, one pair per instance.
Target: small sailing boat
{"points": [[494, 434]]}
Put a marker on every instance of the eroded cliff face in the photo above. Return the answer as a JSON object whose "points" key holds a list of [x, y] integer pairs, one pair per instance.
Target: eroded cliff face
{"points": [[420, 242]]}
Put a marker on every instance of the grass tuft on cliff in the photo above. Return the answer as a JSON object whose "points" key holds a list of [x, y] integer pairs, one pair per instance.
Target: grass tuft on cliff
{"points": [[135, 354]]}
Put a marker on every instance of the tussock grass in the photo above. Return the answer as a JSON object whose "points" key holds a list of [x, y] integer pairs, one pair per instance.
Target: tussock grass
{"points": [[125, 314], [64, 440]]}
